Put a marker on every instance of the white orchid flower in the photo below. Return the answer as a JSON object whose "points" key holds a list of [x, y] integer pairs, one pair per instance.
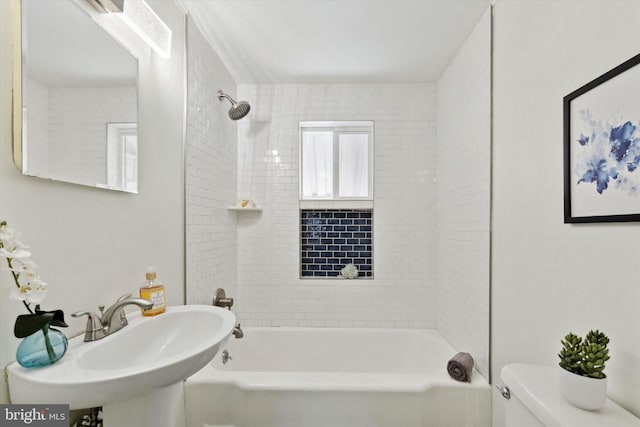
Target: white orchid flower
{"points": [[14, 245], [29, 288], [15, 252], [7, 234], [23, 265], [32, 292], [29, 276]]}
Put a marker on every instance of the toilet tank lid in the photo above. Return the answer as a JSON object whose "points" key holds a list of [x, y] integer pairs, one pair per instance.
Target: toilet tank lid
{"points": [[537, 388]]}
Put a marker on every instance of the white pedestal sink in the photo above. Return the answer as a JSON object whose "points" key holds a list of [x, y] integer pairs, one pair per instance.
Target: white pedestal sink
{"points": [[136, 373]]}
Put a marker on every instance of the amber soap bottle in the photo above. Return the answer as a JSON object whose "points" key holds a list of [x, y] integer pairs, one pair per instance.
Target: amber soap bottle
{"points": [[153, 291]]}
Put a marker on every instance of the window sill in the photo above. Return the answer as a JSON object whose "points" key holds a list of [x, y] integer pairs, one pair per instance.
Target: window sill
{"points": [[336, 204]]}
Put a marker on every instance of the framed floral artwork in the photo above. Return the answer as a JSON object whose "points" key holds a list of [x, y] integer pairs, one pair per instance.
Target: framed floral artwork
{"points": [[602, 148]]}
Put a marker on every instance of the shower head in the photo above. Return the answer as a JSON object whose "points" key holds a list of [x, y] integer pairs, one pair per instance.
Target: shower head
{"points": [[238, 109]]}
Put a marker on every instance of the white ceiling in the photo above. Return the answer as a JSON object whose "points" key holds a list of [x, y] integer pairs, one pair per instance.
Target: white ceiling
{"points": [[64, 47], [336, 41]]}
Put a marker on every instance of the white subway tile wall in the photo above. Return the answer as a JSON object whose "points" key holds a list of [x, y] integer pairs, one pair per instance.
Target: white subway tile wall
{"points": [[211, 175], [403, 292], [37, 118], [70, 124], [78, 131], [260, 250], [464, 162]]}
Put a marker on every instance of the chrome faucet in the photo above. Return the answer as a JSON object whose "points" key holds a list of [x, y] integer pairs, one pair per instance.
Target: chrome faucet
{"points": [[111, 320], [220, 300]]}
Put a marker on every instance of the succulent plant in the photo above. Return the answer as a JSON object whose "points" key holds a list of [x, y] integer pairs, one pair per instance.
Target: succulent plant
{"points": [[585, 357], [597, 337], [570, 353], [594, 354]]}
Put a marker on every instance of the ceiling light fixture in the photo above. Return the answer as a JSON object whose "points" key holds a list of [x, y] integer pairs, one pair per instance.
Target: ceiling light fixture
{"points": [[142, 20]]}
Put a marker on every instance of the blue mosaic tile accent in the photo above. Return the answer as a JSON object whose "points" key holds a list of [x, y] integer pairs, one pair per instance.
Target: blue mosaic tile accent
{"points": [[332, 238]]}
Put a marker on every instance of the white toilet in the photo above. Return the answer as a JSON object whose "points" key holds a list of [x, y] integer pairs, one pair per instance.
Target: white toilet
{"points": [[535, 401]]}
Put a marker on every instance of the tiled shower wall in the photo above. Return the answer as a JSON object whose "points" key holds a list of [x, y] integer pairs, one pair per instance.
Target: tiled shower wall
{"points": [[332, 238], [37, 118], [211, 174], [77, 128], [403, 291], [266, 248], [464, 153], [69, 124]]}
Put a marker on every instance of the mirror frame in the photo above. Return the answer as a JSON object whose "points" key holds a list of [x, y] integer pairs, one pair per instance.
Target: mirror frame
{"points": [[17, 97], [16, 90]]}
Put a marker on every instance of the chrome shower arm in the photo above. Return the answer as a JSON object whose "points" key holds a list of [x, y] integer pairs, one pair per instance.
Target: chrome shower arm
{"points": [[222, 95]]}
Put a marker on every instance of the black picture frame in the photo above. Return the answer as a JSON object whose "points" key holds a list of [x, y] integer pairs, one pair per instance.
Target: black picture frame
{"points": [[598, 177]]}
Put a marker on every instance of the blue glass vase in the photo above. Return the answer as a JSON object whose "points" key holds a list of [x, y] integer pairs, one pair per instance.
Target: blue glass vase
{"points": [[42, 348]]}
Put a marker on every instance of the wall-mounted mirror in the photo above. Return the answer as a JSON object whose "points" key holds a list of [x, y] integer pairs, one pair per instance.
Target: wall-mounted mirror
{"points": [[75, 98]]}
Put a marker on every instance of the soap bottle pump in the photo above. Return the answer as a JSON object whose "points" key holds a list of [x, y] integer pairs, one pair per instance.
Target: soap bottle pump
{"points": [[153, 291]]}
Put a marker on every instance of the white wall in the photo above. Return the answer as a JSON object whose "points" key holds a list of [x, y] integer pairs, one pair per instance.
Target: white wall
{"points": [[211, 174], [549, 278], [403, 292], [93, 245], [463, 196]]}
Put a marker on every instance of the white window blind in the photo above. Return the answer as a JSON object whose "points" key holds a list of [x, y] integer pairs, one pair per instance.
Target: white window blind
{"points": [[336, 160]]}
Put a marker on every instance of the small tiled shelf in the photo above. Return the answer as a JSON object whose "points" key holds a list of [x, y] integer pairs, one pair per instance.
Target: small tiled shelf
{"points": [[240, 208], [332, 238]]}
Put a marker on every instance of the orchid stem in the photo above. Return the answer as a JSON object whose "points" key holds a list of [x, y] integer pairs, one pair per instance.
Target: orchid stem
{"points": [[27, 306], [15, 279], [47, 343]]}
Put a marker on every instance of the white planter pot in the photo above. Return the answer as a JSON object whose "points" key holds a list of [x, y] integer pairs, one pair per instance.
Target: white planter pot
{"points": [[582, 392]]}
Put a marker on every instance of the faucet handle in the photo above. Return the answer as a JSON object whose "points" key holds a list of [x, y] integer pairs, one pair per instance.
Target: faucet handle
{"points": [[94, 325], [91, 316], [220, 299]]}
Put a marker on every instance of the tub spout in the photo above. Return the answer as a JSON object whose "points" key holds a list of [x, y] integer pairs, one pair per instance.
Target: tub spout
{"points": [[237, 332]]}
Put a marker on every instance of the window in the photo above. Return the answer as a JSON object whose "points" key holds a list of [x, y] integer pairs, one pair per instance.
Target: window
{"points": [[336, 160], [122, 156]]}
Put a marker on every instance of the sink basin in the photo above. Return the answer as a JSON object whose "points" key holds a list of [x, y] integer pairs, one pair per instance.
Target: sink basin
{"points": [[149, 353]]}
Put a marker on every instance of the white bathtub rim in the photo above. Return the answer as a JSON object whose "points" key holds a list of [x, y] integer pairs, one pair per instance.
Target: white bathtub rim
{"points": [[330, 381]]}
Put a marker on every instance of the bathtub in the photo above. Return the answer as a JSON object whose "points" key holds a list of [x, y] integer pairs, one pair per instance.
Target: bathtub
{"points": [[323, 377]]}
